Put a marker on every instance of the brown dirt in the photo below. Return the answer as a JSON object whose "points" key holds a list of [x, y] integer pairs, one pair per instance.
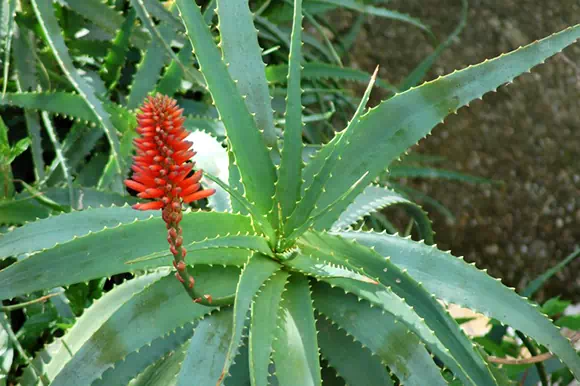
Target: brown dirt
{"points": [[527, 134]]}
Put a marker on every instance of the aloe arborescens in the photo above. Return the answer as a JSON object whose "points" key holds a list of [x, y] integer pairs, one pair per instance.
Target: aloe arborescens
{"points": [[370, 305]]}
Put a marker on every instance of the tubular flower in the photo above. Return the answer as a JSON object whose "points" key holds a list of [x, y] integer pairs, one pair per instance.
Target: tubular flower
{"points": [[162, 173]]}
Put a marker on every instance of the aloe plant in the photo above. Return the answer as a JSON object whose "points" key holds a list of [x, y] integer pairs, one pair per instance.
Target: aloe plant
{"points": [[290, 287]]}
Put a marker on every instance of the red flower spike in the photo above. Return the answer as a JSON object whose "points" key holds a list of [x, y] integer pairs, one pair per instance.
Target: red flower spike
{"points": [[162, 171]]}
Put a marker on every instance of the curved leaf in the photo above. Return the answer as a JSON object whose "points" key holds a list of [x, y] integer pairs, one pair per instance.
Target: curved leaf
{"points": [[407, 117], [453, 280], [46, 233], [423, 172], [352, 362], [136, 362], [250, 242], [311, 194], [59, 102], [115, 59], [263, 326], [163, 36], [207, 350], [163, 371], [106, 252], [318, 71], [468, 363], [153, 60], [157, 310], [106, 17], [55, 356], [323, 270], [375, 11], [296, 346], [254, 274], [375, 198], [399, 349]]}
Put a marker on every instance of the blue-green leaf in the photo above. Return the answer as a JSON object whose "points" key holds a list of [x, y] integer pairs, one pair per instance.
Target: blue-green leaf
{"points": [[352, 362], [243, 54], [251, 155], [106, 252], [254, 274], [207, 350], [290, 175], [374, 198], [453, 280], [263, 327], [296, 346], [49, 24], [400, 349]]}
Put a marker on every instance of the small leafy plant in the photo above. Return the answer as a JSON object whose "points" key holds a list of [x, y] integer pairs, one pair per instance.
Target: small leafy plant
{"points": [[278, 287]]}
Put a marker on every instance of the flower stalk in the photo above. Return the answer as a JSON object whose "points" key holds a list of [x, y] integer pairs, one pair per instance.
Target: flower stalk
{"points": [[163, 172]]}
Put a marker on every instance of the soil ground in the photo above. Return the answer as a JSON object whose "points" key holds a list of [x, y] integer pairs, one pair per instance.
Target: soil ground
{"points": [[527, 134]]}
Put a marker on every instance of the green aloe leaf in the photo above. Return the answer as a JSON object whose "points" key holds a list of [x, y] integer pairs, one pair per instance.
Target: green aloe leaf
{"points": [[55, 356], [157, 9], [207, 350], [407, 117], [106, 252], [319, 71], [471, 367], [164, 39], [296, 346], [105, 17], [452, 280], [399, 349], [250, 242], [115, 59], [324, 270], [27, 207], [170, 81], [290, 174], [53, 35], [239, 44], [264, 314], [163, 371], [251, 154], [157, 310], [7, 13], [375, 11], [354, 363], [538, 282], [153, 60], [26, 80], [240, 371], [6, 355], [374, 198], [424, 172], [46, 233], [311, 194], [384, 298], [61, 103], [254, 274], [136, 362]]}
